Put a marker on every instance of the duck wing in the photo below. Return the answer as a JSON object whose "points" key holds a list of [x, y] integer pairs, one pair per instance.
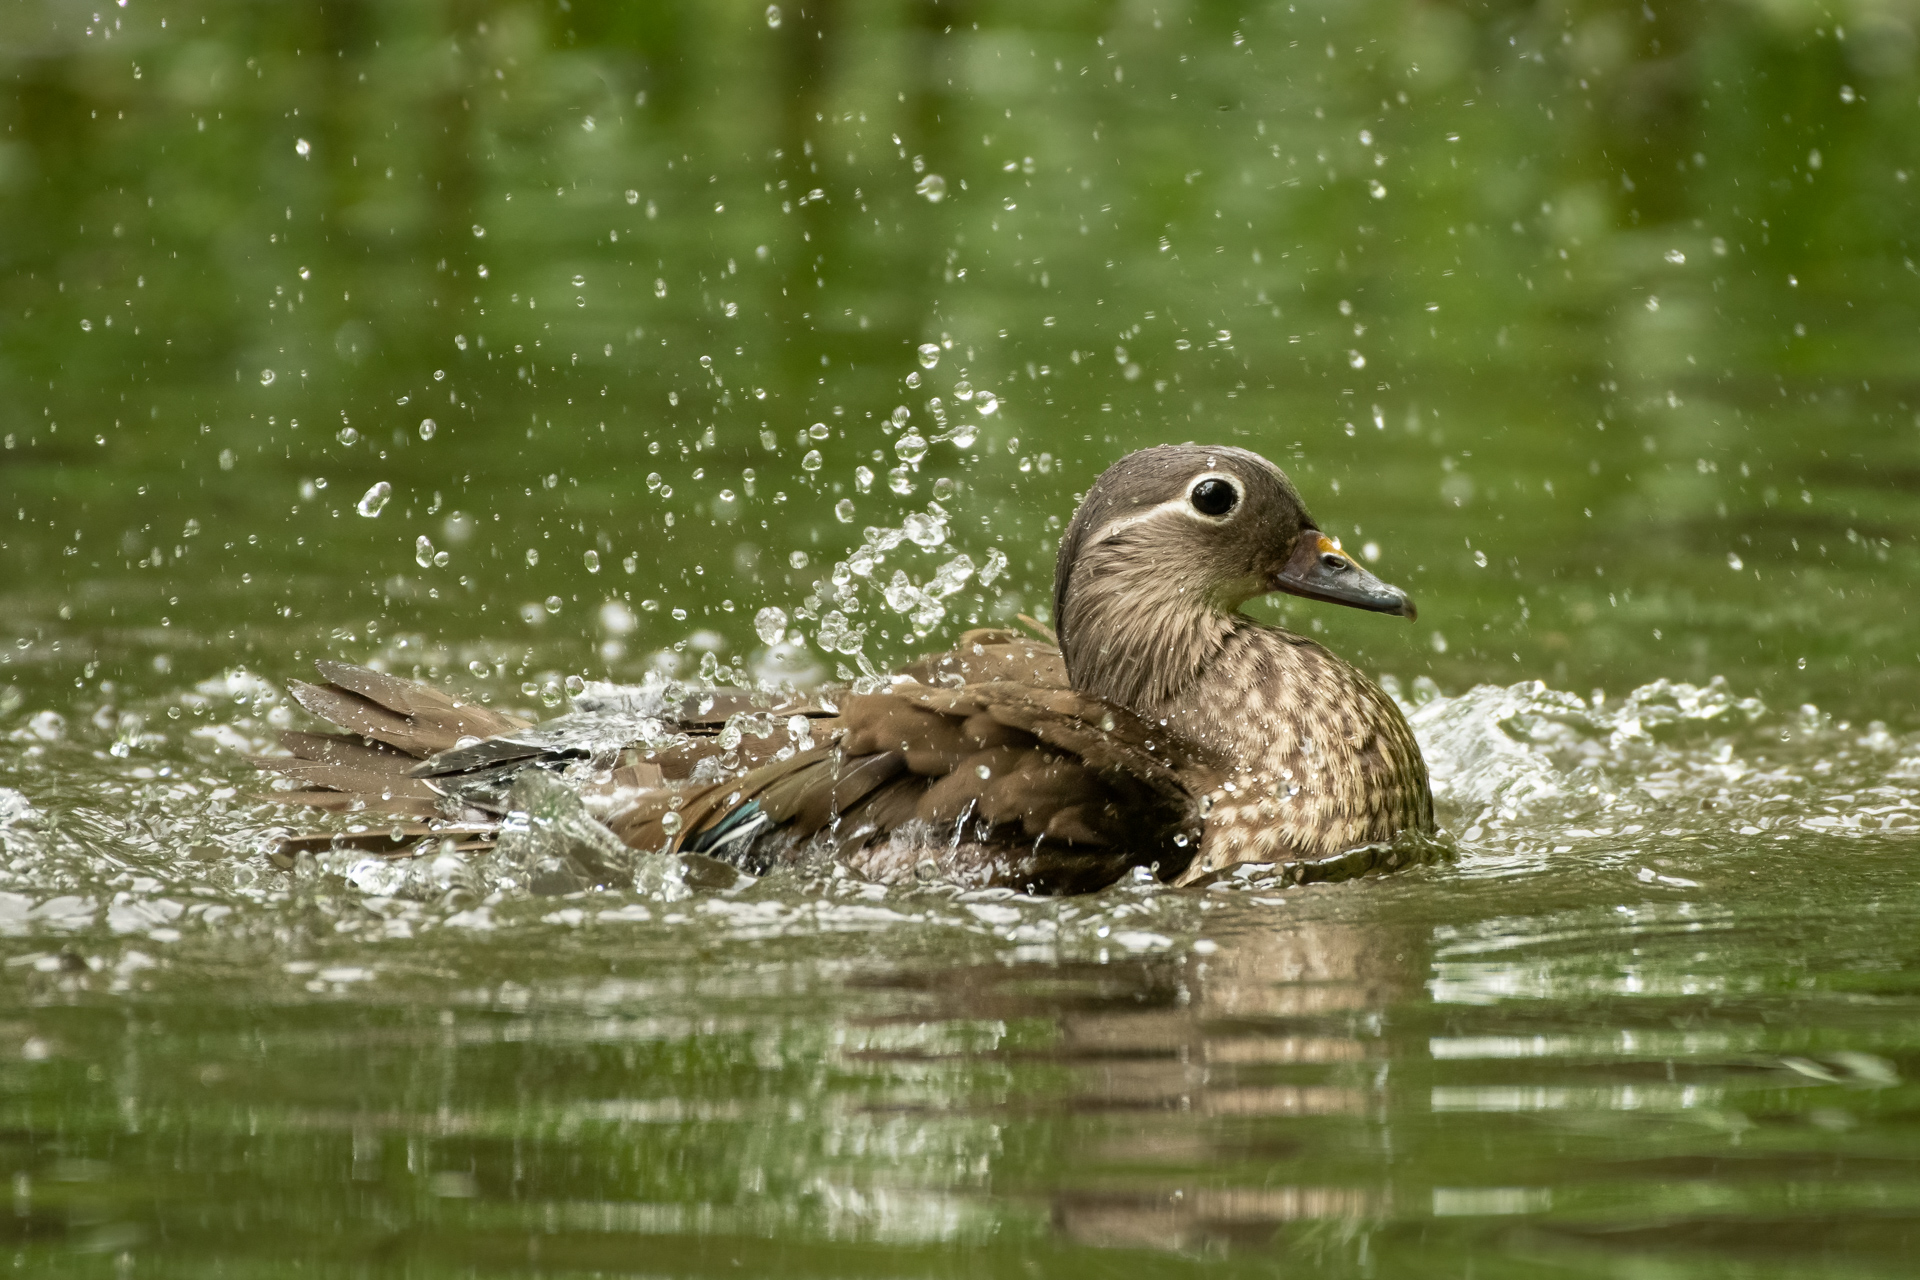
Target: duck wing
{"points": [[979, 760], [392, 725], [1000, 782], [410, 748]]}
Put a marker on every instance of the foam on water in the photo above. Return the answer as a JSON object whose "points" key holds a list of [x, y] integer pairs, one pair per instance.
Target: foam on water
{"points": [[1518, 766]]}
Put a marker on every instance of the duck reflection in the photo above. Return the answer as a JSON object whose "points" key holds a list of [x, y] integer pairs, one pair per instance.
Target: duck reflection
{"points": [[1269, 1073], [1210, 1097]]}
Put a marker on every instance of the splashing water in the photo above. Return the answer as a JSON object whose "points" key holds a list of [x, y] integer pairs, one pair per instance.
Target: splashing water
{"points": [[143, 820], [1527, 769]]}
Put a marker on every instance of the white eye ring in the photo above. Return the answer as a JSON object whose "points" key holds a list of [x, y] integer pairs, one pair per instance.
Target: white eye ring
{"points": [[1190, 501]]}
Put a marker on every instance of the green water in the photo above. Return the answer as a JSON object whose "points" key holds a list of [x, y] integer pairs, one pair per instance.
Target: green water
{"points": [[1599, 322]]}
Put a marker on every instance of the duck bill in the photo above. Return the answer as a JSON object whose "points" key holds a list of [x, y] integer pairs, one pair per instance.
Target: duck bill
{"points": [[1320, 570]]}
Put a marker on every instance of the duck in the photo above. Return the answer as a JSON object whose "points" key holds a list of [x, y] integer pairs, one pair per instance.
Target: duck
{"points": [[1157, 729]]}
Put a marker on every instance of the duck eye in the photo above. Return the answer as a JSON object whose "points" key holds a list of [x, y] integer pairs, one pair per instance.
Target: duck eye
{"points": [[1213, 497]]}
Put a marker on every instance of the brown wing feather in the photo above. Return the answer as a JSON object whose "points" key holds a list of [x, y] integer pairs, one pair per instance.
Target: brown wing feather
{"points": [[992, 654], [384, 785], [342, 748], [356, 802], [427, 706]]}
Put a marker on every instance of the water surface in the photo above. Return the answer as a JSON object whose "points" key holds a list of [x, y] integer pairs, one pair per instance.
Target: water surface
{"points": [[1592, 327]]}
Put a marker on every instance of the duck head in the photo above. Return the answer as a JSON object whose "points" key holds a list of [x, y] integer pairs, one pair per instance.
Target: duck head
{"points": [[1166, 547]]}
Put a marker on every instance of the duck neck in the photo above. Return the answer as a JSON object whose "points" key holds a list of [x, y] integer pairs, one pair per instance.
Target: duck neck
{"points": [[1141, 640]]}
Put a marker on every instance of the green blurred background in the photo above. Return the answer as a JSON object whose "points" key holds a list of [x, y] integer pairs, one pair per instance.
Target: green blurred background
{"points": [[1620, 299], [1598, 324]]}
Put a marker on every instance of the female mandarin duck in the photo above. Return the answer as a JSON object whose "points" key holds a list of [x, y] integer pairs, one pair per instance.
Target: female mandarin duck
{"points": [[1166, 729]]}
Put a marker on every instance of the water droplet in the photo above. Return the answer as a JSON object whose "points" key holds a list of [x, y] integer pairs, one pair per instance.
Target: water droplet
{"points": [[924, 530], [375, 500], [346, 435], [553, 604], [427, 428], [302, 148], [670, 823], [996, 565], [933, 187], [811, 462], [440, 559], [479, 232], [1371, 551], [633, 197], [770, 624], [963, 390], [900, 415], [659, 288], [423, 551], [266, 377], [911, 447], [593, 561], [579, 282], [986, 402], [533, 557], [798, 559], [1676, 257], [1356, 360], [900, 480], [1377, 189], [1480, 558], [863, 478], [843, 510], [227, 459], [819, 431], [929, 355], [1734, 561], [773, 20], [1803, 664]]}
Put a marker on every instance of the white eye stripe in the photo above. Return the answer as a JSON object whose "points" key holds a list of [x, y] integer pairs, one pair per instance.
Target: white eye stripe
{"points": [[1183, 505]]}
